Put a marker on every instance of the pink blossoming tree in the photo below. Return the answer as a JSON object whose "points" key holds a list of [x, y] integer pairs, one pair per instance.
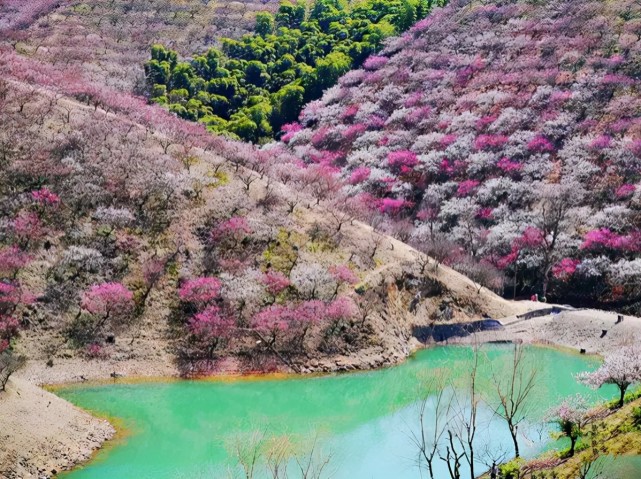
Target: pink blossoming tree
{"points": [[108, 302]]}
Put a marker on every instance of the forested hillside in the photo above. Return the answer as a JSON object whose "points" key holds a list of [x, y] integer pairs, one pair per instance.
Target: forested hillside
{"points": [[251, 87], [200, 187], [509, 129], [107, 41], [127, 233]]}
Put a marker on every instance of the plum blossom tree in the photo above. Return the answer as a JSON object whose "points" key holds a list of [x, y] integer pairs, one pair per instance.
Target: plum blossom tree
{"points": [[540, 144], [152, 272], [107, 300], [27, 229], [275, 283], [342, 275], [305, 315], [200, 292], [403, 161], [9, 327], [571, 417], [565, 268], [12, 260], [339, 311], [359, 175], [231, 232], [272, 323], [107, 303], [45, 197], [483, 273], [622, 368], [209, 328], [312, 281]]}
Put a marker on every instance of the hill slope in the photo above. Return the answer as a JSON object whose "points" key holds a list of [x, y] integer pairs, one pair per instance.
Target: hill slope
{"points": [[107, 41], [511, 129], [93, 198]]}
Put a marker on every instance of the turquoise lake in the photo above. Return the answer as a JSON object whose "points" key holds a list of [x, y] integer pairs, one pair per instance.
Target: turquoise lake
{"points": [[361, 421]]}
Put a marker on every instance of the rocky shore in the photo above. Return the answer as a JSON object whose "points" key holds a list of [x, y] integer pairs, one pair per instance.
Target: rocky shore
{"points": [[42, 434]]}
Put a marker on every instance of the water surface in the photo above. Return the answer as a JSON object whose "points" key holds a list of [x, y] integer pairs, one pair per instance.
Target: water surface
{"points": [[364, 420], [619, 467]]}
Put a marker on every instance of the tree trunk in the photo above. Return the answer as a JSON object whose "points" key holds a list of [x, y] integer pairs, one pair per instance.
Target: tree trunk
{"points": [[515, 440], [572, 445], [430, 469], [622, 390]]}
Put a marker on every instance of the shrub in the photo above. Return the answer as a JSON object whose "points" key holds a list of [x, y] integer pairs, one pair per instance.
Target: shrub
{"points": [[512, 469], [635, 415]]}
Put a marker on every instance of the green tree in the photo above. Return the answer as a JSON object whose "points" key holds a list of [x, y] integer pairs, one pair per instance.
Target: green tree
{"points": [[287, 103], [291, 15], [181, 77], [406, 16], [157, 73], [264, 24], [331, 68], [162, 54], [253, 85], [256, 73], [240, 126]]}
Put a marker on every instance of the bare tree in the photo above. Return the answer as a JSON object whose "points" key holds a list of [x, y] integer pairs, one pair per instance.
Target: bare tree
{"points": [[375, 243], [515, 388], [313, 464], [422, 260], [270, 198], [451, 432], [259, 455], [437, 247], [247, 177], [556, 203], [9, 364], [484, 274], [248, 451], [452, 456], [491, 455], [591, 467], [277, 456], [292, 201], [431, 429], [468, 413], [366, 304], [338, 216]]}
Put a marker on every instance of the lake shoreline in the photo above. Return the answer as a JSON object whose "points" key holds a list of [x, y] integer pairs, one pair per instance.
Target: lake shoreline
{"points": [[571, 330], [42, 434], [589, 331]]}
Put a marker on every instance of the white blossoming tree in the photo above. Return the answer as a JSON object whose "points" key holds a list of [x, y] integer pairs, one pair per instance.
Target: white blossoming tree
{"points": [[621, 368]]}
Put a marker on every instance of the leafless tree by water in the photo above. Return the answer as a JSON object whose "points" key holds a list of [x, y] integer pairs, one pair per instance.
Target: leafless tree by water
{"points": [[514, 388], [449, 433], [259, 454], [429, 433]]}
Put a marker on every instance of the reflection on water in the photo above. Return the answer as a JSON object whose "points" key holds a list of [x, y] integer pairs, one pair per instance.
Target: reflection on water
{"points": [[188, 428]]}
